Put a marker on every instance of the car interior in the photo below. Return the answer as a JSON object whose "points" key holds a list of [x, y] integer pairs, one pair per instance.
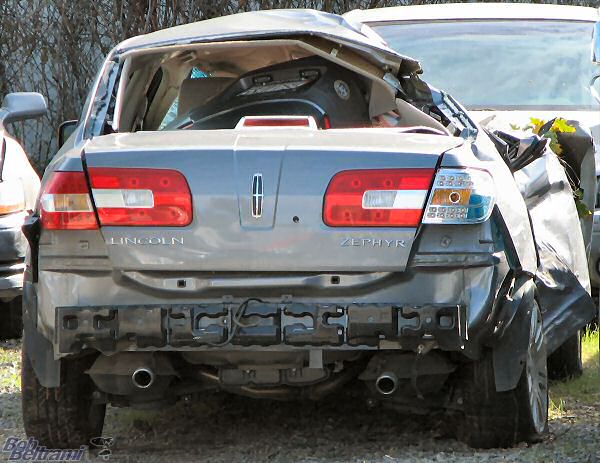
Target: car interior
{"points": [[213, 85]]}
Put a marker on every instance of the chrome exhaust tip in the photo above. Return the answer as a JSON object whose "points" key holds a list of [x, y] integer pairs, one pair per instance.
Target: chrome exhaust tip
{"points": [[386, 383], [142, 378]]}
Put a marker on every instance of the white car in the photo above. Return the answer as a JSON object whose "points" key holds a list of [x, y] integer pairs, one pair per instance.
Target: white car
{"points": [[525, 59], [19, 187], [510, 62]]}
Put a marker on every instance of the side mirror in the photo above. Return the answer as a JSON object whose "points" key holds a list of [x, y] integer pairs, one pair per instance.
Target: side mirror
{"points": [[65, 130], [596, 44], [21, 106]]}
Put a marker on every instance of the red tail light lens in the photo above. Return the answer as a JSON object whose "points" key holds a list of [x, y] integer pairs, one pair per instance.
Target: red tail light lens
{"points": [[141, 197], [377, 198], [65, 203]]}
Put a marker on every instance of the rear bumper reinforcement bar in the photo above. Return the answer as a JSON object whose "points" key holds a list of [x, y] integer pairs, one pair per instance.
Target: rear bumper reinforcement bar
{"points": [[267, 325]]}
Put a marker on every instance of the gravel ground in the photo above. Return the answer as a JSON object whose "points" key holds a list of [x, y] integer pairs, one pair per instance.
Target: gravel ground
{"points": [[226, 428]]}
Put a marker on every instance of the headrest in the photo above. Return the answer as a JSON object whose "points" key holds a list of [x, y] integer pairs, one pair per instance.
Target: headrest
{"points": [[196, 92]]}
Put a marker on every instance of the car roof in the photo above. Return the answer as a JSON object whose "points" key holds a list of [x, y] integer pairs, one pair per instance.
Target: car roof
{"points": [[449, 11], [270, 24]]}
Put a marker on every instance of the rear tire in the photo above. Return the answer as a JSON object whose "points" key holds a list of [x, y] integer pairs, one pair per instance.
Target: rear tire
{"points": [[11, 319], [502, 419], [566, 363], [64, 417]]}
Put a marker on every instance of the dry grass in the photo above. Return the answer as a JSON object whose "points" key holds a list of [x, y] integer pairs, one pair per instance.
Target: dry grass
{"points": [[10, 368]]}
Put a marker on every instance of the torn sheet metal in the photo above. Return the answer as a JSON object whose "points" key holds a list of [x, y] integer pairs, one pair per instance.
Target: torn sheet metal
{"points": [[274, 24], [562, 278]]}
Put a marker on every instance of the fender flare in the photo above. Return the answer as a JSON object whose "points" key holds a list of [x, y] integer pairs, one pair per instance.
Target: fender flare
{"points": [[38, 349], [512, 340]]}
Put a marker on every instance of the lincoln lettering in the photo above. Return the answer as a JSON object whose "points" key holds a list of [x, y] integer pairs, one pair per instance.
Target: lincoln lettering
{"points": [[150, 241], [373, 243]]}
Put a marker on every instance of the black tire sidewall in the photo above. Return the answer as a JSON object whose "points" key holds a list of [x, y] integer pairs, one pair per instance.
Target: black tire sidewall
{"points": [[494, 419], [11, 319], [566, 362], [64, 417]]}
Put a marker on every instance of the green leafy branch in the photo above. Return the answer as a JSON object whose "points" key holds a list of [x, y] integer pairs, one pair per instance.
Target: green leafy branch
{"points": [[559, 125]]}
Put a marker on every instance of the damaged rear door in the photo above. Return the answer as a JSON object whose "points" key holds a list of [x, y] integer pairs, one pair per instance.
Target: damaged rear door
{"points": [[558, 218]]}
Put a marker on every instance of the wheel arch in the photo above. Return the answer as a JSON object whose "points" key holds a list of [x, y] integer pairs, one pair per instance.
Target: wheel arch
{"points": [[511, 337]]}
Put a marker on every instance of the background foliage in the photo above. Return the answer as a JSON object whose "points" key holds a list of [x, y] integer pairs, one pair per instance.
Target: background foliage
{"points": [[56, 46]]}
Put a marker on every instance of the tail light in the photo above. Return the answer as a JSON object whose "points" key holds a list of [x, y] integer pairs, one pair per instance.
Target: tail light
{"points": [[377, 198], [65, 203], [141, 197], [12, 196], [460, 196]]}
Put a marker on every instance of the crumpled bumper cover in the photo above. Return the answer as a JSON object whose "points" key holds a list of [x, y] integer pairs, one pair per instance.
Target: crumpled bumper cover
{"points": [[267, 325]]}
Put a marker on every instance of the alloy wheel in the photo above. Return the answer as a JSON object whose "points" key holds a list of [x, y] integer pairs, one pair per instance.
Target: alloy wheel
{"points": [[536, 373]]}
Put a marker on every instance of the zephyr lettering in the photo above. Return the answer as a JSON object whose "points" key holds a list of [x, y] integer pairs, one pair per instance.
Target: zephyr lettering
{"points": [[372, 243]]}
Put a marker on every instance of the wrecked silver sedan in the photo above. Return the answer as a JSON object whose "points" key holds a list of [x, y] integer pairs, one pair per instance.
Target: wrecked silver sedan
{"points": [[274, 204]]}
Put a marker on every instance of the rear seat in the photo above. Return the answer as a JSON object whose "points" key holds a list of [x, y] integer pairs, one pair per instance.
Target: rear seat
{"points": [[197, 92]]}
